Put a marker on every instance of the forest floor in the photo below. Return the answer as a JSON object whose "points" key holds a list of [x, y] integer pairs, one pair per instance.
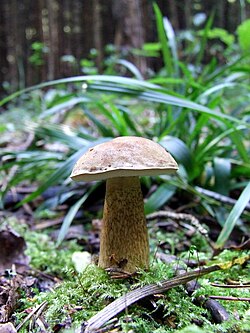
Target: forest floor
{"points": [[45, 287]]}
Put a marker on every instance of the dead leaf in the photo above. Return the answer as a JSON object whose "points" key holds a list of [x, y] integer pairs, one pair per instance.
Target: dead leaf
{"points": [[7, 328], [8, 296], [12, 247]]}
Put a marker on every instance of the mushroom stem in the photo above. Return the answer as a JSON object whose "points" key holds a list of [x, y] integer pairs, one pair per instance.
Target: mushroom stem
{"points": [[124, 238]]}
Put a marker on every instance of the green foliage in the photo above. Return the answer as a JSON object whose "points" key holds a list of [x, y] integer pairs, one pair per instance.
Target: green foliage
{"points": [[38, 51], [222, 35], [163, 193], [192, 329], [88, 67], [167, 42], [93, 289], [243, 34], [233, 217], [80, 296], [43, 251], [71, 215], [197, 106]]}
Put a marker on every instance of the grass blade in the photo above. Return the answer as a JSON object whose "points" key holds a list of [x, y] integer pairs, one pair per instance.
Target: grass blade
{"points": [[104, 130], [131, 67], [163, 193], [61, 173], [172, 43], [233, 217], [180, 151], [167, 57], [222, 172], [68, 105], [204, 39], [239, 143], [71, 214], [132, 87]]}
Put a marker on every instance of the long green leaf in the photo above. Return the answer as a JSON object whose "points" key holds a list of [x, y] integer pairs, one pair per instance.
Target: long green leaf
{"points": [[80, 79], [103, 128], [180, 151], [64, 106], [71, 215], [115, 116], [60, 133], [137, 88], [131, 67], [128, 117], [222, 86], [233, 217], [208, 146], [159, 97], [62, 172], [163, 193], [172, 44], [240, 146], [166, 53], [204, 39], [222, 172]]}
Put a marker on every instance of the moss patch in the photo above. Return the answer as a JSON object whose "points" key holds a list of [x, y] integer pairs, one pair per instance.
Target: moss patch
{"points": [[80, 296]]}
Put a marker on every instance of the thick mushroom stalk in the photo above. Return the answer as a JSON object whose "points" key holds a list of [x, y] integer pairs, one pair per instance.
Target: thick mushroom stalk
{"points": [[124, 239]]}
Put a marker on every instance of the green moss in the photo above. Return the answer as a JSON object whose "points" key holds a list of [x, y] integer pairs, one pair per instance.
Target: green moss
{"points": [[80, 296], [48, 258], [171, 312], [42, 250]]}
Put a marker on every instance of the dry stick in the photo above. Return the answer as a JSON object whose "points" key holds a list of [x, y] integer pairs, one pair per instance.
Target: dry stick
{"points": [[218, 312], [234, 286], [133, 296], [181, 217], [39, 309], [219, 197], [231, 298]]}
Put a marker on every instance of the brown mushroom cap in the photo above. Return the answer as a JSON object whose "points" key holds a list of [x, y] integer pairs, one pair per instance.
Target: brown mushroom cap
{"points": [[124, 157]]}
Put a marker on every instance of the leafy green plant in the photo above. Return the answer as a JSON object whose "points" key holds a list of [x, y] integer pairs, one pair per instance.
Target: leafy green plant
{"points": [[233, 217], [243, 32], [197, 109], [38, 51]]}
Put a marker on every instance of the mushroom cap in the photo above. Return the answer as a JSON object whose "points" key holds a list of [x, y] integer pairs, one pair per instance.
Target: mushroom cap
{"points": [[124, 156]]}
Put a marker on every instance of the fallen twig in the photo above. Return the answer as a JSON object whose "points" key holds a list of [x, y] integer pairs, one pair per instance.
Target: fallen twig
{"points": [[231, 298], [219, 197], [218, 312], [36, 310], [133, 296], [192, 220], [243, 285]]}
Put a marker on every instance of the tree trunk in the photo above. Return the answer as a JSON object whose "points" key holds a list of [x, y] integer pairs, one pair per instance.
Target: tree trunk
{"points": [[53, 41], [129, 31], [10, 12], [97, 33]]}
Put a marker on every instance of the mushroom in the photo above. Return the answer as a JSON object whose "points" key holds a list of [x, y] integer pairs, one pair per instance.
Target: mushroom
{"points": [[124, 239]]}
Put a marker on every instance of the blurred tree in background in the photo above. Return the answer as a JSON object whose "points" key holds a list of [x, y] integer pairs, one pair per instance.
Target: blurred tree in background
{"points": [[48, 39]]}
